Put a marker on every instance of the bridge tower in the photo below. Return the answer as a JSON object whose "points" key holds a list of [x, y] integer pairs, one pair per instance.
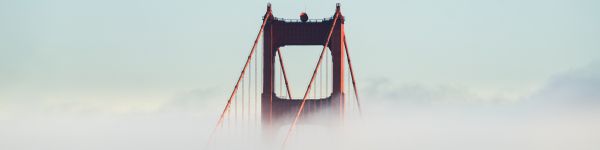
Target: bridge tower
{"points": [[242, 112]]}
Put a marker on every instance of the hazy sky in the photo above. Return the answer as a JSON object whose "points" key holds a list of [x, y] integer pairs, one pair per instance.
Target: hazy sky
{"points": [[137, 55], [152, 74]]}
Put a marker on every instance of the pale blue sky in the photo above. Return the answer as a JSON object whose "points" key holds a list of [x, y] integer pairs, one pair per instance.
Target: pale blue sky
{"points": [[139, 54], [155, 74]]}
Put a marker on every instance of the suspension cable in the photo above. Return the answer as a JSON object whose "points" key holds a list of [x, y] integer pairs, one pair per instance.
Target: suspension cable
{"points": [[228, 105], [287, 85], [279, 72], [352, 74]]}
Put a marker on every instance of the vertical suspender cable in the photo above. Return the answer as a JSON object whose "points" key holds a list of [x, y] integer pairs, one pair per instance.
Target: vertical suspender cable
{"points": [[235, 108], [327, 74], [241, 106], [249, 93], [255, 89]]}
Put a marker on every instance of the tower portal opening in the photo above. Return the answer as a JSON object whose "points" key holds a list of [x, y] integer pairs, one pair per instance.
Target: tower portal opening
{"points": [[299, 62]]}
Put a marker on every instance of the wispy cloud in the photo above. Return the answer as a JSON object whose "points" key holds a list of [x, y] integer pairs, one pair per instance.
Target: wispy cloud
{"points": [[577, 87]]}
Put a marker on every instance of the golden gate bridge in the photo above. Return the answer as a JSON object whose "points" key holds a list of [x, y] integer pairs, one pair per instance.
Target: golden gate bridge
{"points": [[326, 94]]}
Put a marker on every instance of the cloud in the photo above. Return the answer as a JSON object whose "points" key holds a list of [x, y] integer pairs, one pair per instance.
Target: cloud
{"points": [[577, 87], [184, 121], [384, 90], [193, 99]]}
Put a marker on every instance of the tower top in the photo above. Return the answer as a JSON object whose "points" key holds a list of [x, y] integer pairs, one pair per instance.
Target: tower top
{"points": [[337, 6], [303, 16]]}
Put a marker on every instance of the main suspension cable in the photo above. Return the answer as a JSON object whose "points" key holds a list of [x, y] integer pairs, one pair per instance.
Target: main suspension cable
{"points": [[228, 105], [352, 75], [287, 85]]}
